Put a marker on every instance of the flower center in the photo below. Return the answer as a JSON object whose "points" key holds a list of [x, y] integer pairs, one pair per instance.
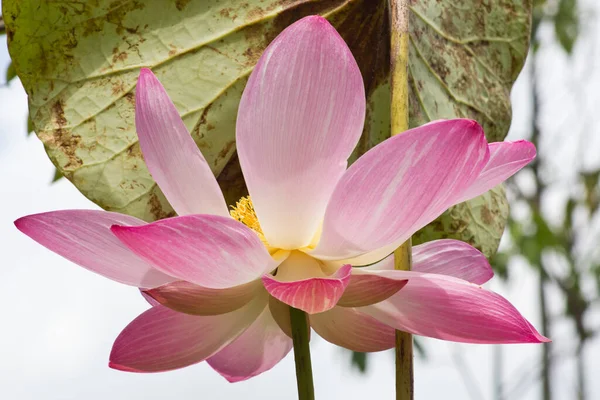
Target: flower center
{"points": [[299, 265], [244, 212], [296, 264]]}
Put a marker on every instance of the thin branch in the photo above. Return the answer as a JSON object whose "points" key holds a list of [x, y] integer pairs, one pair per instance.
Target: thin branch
{"points": [[399, 40]]}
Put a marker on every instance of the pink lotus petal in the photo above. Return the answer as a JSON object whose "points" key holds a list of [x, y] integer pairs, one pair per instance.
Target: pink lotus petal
{"points": [[149, 299], [506, 158], [188, 298], [398, 187], [312, 295], [349, 328], [161, 339], [281, 314], [366, 288], [172, 157], [84, 237], [302, 284], [208, 250], [255, 351], [300, 117], [445, 257], [447, 308]]}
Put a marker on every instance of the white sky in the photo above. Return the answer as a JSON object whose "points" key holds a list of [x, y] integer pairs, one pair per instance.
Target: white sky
{"points": [[59, 321]]}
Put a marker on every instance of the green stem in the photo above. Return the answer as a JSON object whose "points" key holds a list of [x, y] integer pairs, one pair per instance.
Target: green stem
{"points": [[399, 65], [404, 340], [399, 38], [300, 337]]}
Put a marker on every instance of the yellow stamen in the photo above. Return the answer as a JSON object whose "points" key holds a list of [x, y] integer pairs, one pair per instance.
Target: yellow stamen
{"points": [[243, 211]]}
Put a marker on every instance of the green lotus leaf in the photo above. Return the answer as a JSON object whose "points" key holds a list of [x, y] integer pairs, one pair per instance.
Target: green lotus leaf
{"points": [[78, 62], [479, 222]]}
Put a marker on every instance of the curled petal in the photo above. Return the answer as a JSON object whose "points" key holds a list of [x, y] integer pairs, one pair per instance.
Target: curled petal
{"points": [[208, 250], [149, 299], [84, 237], [161, 339], [188, 298], [445, 257], [255, 351], [352, 329], [506, 158], [312, 295], [300, 117], [367, 288], [301, 284], [447, 308], [398, 187], [171, 155]]}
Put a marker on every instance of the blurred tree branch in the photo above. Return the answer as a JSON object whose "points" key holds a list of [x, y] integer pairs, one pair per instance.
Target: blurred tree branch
{"points": [[2, 26], [554, 249]]}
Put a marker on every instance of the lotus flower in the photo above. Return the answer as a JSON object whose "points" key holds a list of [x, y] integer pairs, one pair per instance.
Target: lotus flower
{"points": [[223, 283]]}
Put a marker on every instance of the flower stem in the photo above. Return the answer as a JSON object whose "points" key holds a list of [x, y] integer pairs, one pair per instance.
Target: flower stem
{"points": [[404, 340], [399, 65], [399, 37], [300, 337]]}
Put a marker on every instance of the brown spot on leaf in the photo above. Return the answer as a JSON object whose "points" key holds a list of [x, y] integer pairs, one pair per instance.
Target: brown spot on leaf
{"points": [[458, 225], [93, 25], [119, 10], [69, 143], [117, 88], [228, 13], [156, 208], [225, 151], [437, 226], [118, 55], [71, 40], [134, 151], [130, 97], [61, 138], [486, 215], [204, 115], [252, 55], [181, 4], [255, 14], [440, 68], [58, 112]]}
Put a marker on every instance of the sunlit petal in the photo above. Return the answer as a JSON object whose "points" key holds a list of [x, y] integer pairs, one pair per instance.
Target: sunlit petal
{"points": [[300, 117]]}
